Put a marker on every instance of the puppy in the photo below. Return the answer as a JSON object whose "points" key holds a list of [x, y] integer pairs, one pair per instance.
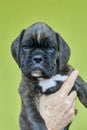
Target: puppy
{"points": [[42, 56]]}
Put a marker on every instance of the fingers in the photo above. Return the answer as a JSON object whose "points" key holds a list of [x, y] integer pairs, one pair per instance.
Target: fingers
{"points": [[69, 102], [69, 109], [70, 113], [68, 84], [69, 118], [71, 97]]}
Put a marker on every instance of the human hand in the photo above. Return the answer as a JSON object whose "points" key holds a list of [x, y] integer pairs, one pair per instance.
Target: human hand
{"points": [[58, 109]]}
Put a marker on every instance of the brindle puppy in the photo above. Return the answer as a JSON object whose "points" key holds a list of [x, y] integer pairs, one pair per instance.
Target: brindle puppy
{"points": [[42, 56]]}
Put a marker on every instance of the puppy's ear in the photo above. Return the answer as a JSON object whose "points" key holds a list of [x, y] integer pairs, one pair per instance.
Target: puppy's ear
{"points": [[15, 48], [64, 52]]}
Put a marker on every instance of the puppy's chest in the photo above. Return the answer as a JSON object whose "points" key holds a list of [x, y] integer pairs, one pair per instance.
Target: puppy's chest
{"points": [[51, 85], [48, 86]]}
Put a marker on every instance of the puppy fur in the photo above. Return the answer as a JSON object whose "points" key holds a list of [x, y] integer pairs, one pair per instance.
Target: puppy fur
{"points": [[42, 56]]}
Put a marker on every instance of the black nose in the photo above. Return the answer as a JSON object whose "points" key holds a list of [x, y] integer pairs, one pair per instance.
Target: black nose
{"points": [[37, 59]]}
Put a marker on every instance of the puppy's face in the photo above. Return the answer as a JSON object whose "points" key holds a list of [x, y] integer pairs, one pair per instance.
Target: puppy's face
{"points": [[39, 51]]}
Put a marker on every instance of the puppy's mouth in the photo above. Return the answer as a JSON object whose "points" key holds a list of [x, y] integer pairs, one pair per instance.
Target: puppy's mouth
{"points": [[36, 73], [37, 70]]}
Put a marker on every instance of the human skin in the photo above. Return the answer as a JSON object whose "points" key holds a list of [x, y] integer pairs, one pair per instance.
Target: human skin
{"points": [[58, 109]]}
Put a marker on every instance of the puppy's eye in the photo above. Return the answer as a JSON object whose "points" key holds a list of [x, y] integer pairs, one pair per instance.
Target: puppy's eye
{"points": [[49, 45], [51, 48], [27, 45]]}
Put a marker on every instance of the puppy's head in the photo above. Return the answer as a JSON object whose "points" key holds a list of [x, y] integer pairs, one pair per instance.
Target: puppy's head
{"points": [[40, 52]]}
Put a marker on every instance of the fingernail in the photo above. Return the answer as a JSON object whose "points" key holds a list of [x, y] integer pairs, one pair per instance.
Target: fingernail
{"points": [[76, 71]]}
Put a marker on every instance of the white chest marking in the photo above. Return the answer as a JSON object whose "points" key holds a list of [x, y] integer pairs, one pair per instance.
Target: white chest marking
{"points": [[48, 83]]}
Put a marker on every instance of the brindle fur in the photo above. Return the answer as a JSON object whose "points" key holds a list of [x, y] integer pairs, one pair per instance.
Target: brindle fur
{"points": [[30, 118]]}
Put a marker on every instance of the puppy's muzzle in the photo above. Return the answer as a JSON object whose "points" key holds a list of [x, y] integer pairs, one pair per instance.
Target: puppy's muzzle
{"points": [[37, 65]]}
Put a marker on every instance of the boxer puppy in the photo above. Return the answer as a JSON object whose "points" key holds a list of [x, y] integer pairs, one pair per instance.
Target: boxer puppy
{"points": [[42, 56]]}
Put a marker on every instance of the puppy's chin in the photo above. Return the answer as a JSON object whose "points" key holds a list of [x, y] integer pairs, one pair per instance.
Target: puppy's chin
{"points": [[36, 73]]}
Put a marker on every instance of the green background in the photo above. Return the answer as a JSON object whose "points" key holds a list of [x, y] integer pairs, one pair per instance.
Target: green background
{"points": [[69, 18]]}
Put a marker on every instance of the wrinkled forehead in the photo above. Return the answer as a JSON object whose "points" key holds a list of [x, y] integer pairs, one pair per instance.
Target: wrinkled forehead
{"points": [[39, 31]]}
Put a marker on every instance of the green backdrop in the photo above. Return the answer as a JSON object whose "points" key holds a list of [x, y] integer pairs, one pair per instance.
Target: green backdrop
{"points": [[69, 18]]}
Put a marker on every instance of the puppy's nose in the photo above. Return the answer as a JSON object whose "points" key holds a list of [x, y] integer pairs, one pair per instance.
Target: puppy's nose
{"points": [[37, 59]]}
